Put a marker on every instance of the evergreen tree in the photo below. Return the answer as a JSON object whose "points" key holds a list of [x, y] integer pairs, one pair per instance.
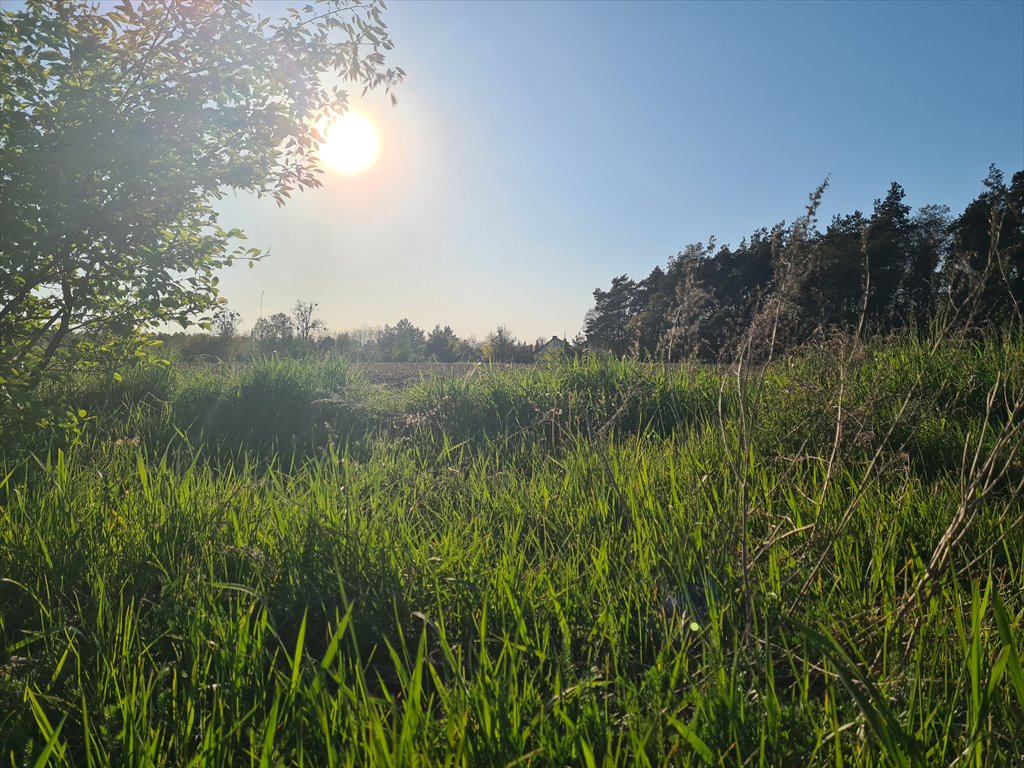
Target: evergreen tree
{"points": [[402, 343], [606, 325], [890, 257], [984, 276], [442, 345]]}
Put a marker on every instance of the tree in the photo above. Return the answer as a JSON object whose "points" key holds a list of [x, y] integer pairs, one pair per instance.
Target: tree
{"points": [[606, 325], [654, 302], [500, 345], [366, 335], [307, 328], [274, 333], [931, 242], [984, 275], [737, 281], [442, 345], [402, 343], [834, 291], [226, 323], [691, 306], [469, 349], [118, 132], [889, 244]]}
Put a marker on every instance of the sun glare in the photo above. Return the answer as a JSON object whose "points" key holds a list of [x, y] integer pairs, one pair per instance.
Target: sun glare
{"points": [[351, 144]]}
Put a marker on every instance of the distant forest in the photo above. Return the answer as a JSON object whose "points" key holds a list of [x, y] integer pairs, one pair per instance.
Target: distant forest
{"points": [[785, 285], [287, 334], [891, 271]]}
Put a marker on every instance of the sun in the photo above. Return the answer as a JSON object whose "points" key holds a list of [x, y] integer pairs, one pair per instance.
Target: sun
{"points": [[351, 144]]}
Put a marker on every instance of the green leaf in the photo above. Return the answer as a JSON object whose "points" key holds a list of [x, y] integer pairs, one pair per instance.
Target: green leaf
{"points": [[267, 753], [900, 746], [695, 741], [1009, 647]]}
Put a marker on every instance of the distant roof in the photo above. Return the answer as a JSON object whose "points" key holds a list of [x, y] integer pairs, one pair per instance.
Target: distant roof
{"points": [[553, 342]]}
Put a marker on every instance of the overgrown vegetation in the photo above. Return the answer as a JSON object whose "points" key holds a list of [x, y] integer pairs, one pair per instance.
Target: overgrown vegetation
{"points": [[586, 563], [806, 550]]}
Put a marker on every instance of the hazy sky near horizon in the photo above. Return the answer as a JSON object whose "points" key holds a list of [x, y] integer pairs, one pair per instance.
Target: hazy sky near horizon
{"points": [[541, 148]]}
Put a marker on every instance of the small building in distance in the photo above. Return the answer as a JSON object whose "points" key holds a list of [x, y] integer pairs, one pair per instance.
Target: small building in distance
{"points": [[552, 345]]}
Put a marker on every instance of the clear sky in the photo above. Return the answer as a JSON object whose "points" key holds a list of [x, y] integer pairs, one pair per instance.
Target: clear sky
{"points": [[541, 148]]}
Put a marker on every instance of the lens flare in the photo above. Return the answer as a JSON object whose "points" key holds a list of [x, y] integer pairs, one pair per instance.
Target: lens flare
{"points": [[351, 144]]}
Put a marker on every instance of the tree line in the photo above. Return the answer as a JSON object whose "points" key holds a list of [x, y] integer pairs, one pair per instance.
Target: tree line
{"points": [[301, 333], [892, 270]]}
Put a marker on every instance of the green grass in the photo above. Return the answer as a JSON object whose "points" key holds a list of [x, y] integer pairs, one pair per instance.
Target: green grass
{"points": [[282, 565]]}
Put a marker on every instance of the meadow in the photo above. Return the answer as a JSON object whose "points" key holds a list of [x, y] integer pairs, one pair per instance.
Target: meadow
{"points": [[817, 561]]}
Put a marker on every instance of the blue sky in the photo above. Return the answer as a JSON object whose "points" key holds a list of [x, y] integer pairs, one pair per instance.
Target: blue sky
{"points": [[541, 148]]}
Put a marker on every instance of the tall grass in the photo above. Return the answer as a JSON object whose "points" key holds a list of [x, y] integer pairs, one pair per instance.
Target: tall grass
{"points": [[283, 566]]}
